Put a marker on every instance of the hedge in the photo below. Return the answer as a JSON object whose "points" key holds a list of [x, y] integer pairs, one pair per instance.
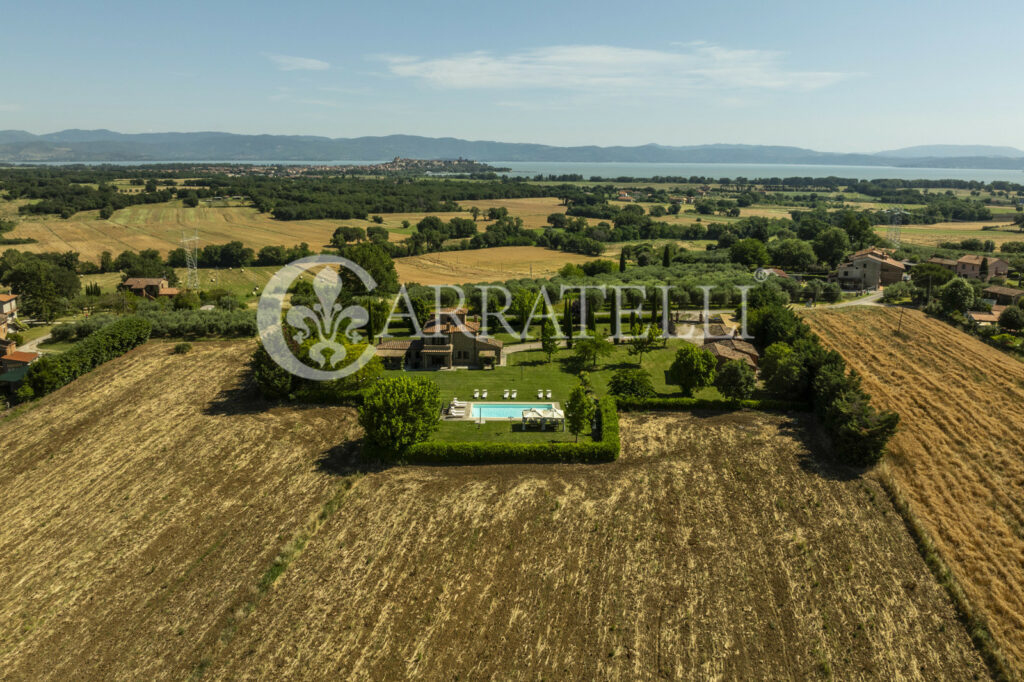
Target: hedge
{"points": [[604, 450], [51, 372], [629, 404]]}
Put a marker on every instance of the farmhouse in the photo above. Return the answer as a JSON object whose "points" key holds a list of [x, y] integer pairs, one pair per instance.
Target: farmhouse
{"points": [[4, 322], [970, 266], [452, 341], [1003, 295], [9, 305], [943, 262], [869, 269], [149, 287]]}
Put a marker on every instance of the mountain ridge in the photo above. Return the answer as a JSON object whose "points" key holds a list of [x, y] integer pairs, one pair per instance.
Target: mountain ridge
{"points": [[107, 146]]}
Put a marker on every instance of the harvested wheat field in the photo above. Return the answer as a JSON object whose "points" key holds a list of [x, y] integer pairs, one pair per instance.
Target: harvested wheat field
{"points": [[141, 503], [959, 454], [160, 226], [484, 265], [715, 548], [998, 231]]}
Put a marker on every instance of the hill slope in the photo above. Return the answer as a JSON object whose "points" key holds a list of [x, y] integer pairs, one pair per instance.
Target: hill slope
{"points": [[108, 146], [958, 454], [150, 506]]}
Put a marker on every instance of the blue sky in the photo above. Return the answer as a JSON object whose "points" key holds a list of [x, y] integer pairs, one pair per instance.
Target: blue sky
{"points": [[858, 77]]}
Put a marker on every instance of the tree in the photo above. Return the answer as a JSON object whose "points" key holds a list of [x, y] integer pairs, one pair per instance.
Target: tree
{"points": [[783, 371], [640, 343], [631, 382], [187, 300], [957, 296], [579, 411], [832, 245], [666, 256], [475, 212], [775, 323], [588, 350], [749, 252], [622, 261], [398, 412], [735, 380], [983, 270], [692, 368], [1012, 318], [792, 253], [375, 260], [548, 342], [930, 275]]}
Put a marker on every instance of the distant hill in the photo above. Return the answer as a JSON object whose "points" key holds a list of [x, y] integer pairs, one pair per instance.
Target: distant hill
{"points": [[98, 146], [952, 151]]}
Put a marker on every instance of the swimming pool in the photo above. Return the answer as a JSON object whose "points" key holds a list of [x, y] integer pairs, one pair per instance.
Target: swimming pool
{"points": [[505, 410]]}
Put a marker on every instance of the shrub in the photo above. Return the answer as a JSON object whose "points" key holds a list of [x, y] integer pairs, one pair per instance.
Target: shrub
{"points": [[398, 412], [182, 348], [631, 381], [63, 332], [1012, 318], [51, 372], [692, 368], [735, 380]]}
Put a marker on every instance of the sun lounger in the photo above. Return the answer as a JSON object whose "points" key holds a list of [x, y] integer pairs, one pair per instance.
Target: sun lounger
{"points": [[505, 395], [476, 392], [483, 394], [540, 392], [514, 394], [549, 393]]}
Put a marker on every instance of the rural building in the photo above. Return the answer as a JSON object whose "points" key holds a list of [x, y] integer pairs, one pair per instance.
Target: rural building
{"points": [[734, 349], [16, 360], [457, 342], [9, 305], [715, 331], [4, 323], [13, 368], [982, 318], [969, 266], [870, 269], [943, 262], [149, 287], [1003, 295]]}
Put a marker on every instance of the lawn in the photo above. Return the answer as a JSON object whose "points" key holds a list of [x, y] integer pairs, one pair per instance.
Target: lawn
{"points": [[528, 371]]}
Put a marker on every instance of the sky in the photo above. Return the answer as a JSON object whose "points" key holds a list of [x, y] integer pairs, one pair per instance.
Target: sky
{"points": [[849, 77]]}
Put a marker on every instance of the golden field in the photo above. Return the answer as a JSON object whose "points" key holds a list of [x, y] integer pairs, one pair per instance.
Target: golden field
{"points": [[484, 265], [162, 523], [958, 457]]}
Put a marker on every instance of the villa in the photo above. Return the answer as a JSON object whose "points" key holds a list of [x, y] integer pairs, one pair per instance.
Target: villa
{"points": [[454, 341]]}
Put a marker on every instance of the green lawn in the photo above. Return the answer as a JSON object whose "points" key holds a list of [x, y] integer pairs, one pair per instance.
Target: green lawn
{"points": [[530, 370], [499, 432]]}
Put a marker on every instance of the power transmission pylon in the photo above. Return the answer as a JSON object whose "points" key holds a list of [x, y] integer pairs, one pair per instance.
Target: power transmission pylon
{"points": [[191, 247], [895, 221]]}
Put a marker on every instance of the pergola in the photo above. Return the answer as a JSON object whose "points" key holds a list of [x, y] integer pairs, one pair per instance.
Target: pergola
{"points": [[533, 417]]}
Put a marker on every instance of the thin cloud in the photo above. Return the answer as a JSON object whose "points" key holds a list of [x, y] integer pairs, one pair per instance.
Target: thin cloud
{"points": [[289, 63], [605, 67]]}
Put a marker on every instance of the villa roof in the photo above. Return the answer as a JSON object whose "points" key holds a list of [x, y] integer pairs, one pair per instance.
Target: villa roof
{"points": [[20, 356], [1003, 291], [723, 352], [738, 345], [976, 260], [7, 298]]}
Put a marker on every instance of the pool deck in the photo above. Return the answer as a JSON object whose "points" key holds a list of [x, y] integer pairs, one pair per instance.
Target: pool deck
{"points": [[504, 403]]}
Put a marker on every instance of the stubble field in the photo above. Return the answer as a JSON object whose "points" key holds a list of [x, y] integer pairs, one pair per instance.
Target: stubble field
{"points": [[484, 265], [958, 456], [145, 505]]}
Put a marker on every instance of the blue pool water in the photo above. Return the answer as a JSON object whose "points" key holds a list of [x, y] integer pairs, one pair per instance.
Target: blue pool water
{"points": [[505, 410]]}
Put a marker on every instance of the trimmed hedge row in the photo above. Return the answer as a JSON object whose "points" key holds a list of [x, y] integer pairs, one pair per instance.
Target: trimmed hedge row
{"points": [[627, 404], [51, 372], [604, 450]]}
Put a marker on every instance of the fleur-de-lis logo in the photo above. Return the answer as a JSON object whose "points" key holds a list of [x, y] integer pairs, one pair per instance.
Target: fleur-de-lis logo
{"points": [[322, 322], [326, 318]]}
